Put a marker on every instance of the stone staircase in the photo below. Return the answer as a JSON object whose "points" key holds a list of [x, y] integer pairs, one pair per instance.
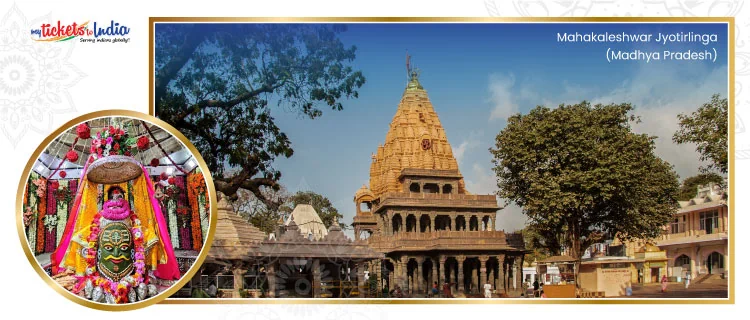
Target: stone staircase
{"points": [[708, 278]]}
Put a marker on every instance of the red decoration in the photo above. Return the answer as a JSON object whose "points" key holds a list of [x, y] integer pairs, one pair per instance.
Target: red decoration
{"points": [[54, 185], [163, 176], [72, 156], [83, 131], [154, 162], [112, 131], [116, 147], [62, 174], [143, 143], [170, 180]]}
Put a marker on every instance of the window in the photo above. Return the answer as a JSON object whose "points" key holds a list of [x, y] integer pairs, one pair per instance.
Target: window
{"points": [[676, 226], [709, 221]]}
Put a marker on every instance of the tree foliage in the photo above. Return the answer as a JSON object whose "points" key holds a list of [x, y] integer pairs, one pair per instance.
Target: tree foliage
{"points": [[217, 83], [325, 209], [580, 171], [542, 242], [689, 186], [707, 127], [262, 213]]}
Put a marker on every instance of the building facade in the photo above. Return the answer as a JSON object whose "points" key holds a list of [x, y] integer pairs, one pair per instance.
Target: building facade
{"points": [[418, 212], [696, 241]]}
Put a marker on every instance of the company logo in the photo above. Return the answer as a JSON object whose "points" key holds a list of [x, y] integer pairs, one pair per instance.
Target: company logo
{"points": [[95, 32]]}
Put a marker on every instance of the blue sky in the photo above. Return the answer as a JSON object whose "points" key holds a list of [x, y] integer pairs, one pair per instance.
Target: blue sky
{"points": [[477, 75]]}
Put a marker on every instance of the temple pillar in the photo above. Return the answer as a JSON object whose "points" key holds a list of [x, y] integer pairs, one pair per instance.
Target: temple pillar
{"points": [[518, 276], [403, 274], [435, 273], [460, 271], [501, 273], [271, 279], [419, 278], [316, 278], [238, 274], [361, 287], [442, 271], [483, 276]]}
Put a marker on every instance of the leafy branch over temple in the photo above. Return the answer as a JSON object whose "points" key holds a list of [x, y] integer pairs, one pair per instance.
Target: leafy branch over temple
{"points": [[217, 83]]}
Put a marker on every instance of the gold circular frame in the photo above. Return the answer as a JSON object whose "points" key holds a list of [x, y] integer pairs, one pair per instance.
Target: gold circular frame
{"points": [[185, 277]]}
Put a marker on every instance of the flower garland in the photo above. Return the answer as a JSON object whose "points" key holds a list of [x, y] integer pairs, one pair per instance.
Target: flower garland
{"points": [[115, 141], [32, 207], [62, 210], [196, 186], [50, 222], [50, 218], [119, 290], [172, 221], [41, 210]]}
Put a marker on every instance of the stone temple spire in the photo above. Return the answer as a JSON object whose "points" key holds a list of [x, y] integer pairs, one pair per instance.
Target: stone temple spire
{"points": [[416, 139]]}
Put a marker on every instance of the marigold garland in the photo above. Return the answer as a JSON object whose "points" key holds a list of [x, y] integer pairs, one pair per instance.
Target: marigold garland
{"points": [[41, 210], [196, 186]]}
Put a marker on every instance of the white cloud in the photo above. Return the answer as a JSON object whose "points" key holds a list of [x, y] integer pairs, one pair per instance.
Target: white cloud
{"points": [[467, 144], [659, 94], [483, 181], [500, 87]]}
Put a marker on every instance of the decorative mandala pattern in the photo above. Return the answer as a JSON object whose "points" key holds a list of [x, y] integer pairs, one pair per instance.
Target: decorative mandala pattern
{"points": [[34, 78]]}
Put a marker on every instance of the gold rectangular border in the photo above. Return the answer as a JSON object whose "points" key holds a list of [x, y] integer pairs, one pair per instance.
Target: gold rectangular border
{"points": [[730, 21]]}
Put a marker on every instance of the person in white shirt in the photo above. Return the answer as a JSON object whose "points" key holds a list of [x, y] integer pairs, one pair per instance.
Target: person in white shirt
{"points": [[487, 290]]}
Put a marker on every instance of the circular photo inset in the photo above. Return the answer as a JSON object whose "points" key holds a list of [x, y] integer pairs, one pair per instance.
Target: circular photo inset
{"points": [[115, 211]]}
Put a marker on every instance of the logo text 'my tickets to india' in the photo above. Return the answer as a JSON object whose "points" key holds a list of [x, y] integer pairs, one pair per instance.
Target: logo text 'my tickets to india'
{"points": [[111, 32]]}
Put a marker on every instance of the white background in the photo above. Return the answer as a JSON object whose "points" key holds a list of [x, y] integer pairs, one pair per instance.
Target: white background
{"points": [[115, 76]]}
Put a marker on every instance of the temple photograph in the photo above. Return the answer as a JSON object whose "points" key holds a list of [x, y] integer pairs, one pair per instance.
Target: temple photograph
{"points": [[116, 210], [451, 161]]}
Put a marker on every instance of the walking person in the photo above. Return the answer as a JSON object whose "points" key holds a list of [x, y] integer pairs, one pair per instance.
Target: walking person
{"points": [[664, 283], [487, 290], [687, 280]]}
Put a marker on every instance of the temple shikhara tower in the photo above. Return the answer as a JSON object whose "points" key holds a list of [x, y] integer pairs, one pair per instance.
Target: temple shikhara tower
{"points": [[418, 213]]}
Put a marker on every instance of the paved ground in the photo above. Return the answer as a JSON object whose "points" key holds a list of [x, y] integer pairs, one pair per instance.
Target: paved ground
{"points": [[709, 289]]}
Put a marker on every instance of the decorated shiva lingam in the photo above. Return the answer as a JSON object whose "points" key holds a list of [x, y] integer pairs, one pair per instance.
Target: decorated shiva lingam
{"points": [[116, 254]]}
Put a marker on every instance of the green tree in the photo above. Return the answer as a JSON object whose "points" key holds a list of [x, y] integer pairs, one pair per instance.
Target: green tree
{"points": [[263, 213], [689, 186], [327, 212], [217, 84], [580, 170], [708, 129], [542, 241]]}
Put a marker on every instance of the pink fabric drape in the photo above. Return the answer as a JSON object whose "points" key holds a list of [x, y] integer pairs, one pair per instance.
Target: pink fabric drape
{"points": [[170, 270]]}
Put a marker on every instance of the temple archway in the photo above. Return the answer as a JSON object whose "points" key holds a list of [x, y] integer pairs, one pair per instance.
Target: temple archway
{"points": [[473, 223], [425, 224], [486, 223], [682, 261], [715, 263], [448, 188], [397, 223], [411, 223], [442, 223], [460, 223], [414, 187], [431, 188]]}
